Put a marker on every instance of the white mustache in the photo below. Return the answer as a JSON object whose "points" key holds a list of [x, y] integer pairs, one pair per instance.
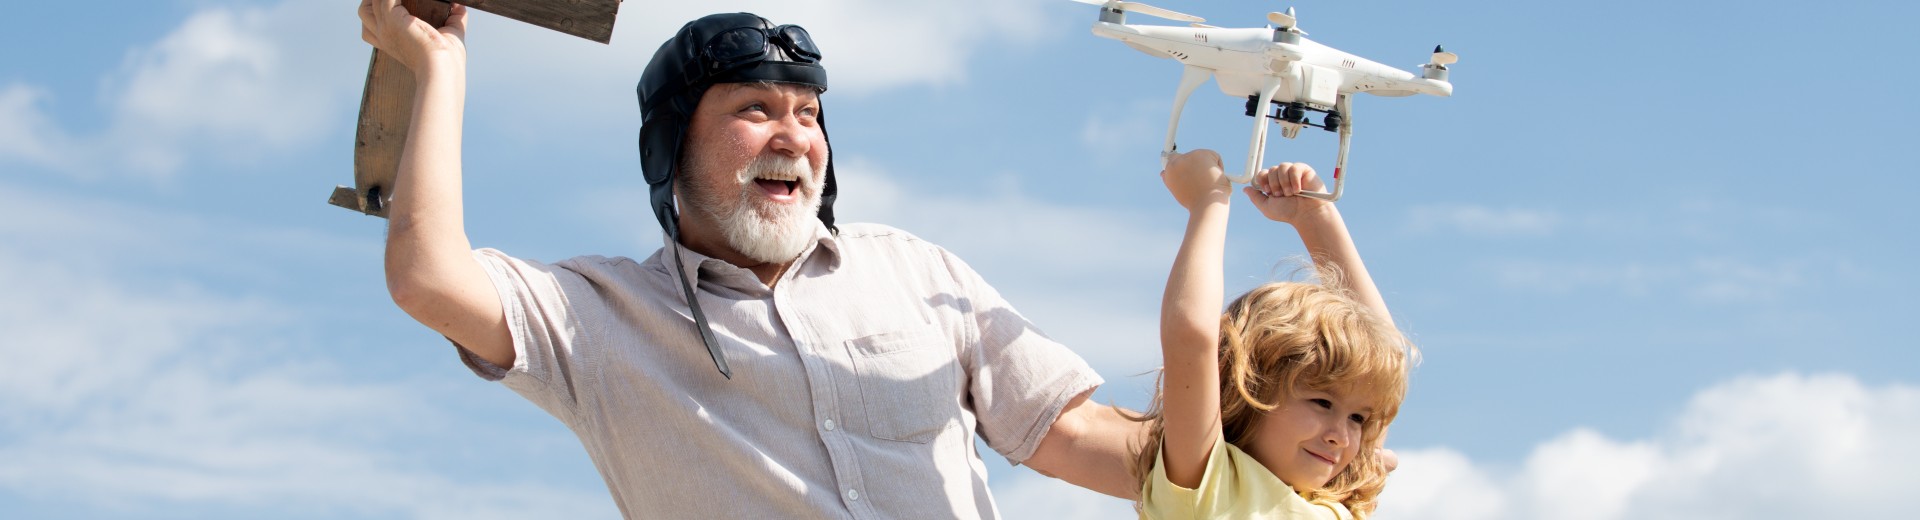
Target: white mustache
{"points": [[781, 168]]}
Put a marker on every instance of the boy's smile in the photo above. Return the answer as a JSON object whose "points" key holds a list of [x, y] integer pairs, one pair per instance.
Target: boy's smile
{"points": [[1311, 436]]}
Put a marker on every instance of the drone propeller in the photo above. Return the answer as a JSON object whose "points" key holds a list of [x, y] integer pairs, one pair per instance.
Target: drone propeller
{"points": [[1286, 21], [1442, 58], [1137, 7]]}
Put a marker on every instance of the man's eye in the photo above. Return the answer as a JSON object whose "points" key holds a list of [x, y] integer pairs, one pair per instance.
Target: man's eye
{"points": [[756, 107]]}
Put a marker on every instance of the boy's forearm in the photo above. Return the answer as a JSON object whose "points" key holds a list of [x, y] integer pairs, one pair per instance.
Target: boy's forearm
{"points": [[1324, 233], [1189, 343], [1190, 308]]}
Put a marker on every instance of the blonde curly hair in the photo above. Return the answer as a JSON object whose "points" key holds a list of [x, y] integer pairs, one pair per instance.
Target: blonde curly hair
{"points": [[1286, 335]]}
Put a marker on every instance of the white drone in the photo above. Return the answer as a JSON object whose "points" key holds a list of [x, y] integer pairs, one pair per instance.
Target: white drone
{"points": [[1274, 65]]}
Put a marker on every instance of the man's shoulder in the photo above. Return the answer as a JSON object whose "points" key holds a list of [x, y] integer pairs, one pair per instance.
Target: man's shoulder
{"points": [[583, 264], [873, 231], [882, 236]]}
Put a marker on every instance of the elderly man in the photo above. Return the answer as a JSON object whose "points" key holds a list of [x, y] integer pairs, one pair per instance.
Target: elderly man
{"points": [[764, 363]]}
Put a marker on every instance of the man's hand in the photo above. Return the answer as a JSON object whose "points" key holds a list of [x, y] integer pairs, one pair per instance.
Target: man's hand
{"points": [[1387, 458], [388, 26]]}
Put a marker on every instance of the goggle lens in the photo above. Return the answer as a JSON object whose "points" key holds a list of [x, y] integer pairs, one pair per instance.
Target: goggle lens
{"points": [[746, 45], [799, 42]]}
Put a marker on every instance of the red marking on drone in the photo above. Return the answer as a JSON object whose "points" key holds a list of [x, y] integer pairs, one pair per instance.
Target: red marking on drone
{"points": [[1336, 173]]}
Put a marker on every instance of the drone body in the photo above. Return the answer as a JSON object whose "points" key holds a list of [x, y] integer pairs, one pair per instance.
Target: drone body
{"points": [[1274, 66]]}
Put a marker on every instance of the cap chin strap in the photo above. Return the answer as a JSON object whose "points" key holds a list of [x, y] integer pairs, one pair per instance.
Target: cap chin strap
{"points": [[699, 318]]}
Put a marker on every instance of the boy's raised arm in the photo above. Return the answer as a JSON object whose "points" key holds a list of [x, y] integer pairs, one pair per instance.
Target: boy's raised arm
{"points": [[1318, 222], [431, 272], [1190, 318]]}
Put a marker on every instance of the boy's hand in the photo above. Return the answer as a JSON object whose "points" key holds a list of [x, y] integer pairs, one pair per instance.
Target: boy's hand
{"points": [[388, 26], [1196, 179], [1276, 191]]}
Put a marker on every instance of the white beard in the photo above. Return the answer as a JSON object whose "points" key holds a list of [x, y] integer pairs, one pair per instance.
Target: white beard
{"points": [[766, 232]]}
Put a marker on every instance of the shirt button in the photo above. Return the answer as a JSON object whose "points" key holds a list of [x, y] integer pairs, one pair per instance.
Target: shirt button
{"points": [[829, 425], [853, 494]]}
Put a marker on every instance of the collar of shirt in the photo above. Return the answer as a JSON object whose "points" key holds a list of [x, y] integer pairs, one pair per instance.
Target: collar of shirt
{"points": [[707, 269]]}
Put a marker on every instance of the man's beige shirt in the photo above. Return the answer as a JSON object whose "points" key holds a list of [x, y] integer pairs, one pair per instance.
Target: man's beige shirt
{"points": [[860, 382]]}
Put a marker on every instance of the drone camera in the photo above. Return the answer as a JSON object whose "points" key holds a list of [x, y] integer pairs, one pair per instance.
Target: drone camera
{"points": [[1295, 113]]}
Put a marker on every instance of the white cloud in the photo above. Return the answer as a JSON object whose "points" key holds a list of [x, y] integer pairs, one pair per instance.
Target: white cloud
{"points": [[25, 133], [1704, 279], [230, 84], [1784, 446], [1441, 484], [539, 79], [1481, 221], [241, 81], [133, 384], [1122, 130], [1028, 495], [239, 84], [868, 45], [1787, 446]]}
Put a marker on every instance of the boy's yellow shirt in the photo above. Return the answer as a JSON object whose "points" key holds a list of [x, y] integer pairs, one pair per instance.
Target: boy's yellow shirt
{"points": [[1234, 485]]}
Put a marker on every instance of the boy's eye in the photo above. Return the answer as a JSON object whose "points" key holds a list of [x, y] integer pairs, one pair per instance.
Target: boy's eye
{"points": [[1357, 418], [1323, 403]]}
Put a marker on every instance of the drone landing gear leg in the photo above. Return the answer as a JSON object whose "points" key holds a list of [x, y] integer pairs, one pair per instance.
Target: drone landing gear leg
{"points": [[1190, 79], [1345, 107], [1258, 149]]}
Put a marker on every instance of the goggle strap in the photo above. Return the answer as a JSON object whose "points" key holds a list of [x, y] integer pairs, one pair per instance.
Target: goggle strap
{"points": [[699, 318]]}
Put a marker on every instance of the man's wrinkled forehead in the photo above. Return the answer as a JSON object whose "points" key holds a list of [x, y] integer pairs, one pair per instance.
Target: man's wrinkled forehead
{"points": [[771, 87], [738, 91]]}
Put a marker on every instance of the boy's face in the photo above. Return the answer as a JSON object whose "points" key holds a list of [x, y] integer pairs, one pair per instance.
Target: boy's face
{"points": [[1311, 436]]}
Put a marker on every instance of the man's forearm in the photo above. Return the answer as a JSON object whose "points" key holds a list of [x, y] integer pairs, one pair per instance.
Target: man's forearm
{"points": [[1091, 445], [431, 272], [425, 221]]}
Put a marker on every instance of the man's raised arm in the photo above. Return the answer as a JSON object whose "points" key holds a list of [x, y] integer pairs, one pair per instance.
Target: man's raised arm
{"points": [[431, 272]]}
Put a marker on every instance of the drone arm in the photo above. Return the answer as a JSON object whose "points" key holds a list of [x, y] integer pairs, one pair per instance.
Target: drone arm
{"points": [[1345, 107], [1258, 148], [1190, 79]]}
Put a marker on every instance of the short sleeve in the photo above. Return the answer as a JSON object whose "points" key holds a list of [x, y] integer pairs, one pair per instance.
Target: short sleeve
{"points": [[544, 325], [1233, 485], [1019, 378], [1161, 499]]}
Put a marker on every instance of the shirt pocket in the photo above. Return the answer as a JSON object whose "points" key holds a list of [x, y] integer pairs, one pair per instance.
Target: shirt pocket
{"points": [[909, 383]]}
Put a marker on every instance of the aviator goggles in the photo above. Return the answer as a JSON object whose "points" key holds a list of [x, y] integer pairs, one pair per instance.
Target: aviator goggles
{"points": [[742, 46]]}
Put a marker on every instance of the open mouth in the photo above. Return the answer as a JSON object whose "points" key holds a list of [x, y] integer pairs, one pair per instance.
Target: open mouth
{"points": [[777, 189]]}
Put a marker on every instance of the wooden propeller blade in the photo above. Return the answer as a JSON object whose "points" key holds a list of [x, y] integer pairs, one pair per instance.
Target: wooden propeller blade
{"points": [[590, 19], [386, 106], [386, 110]]}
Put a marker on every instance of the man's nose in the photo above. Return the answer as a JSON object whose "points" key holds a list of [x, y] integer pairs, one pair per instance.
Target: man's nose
{"points": [[791, 137]]}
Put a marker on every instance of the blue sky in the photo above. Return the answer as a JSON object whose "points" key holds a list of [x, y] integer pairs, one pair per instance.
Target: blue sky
{"points": [[1658, 256]]}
